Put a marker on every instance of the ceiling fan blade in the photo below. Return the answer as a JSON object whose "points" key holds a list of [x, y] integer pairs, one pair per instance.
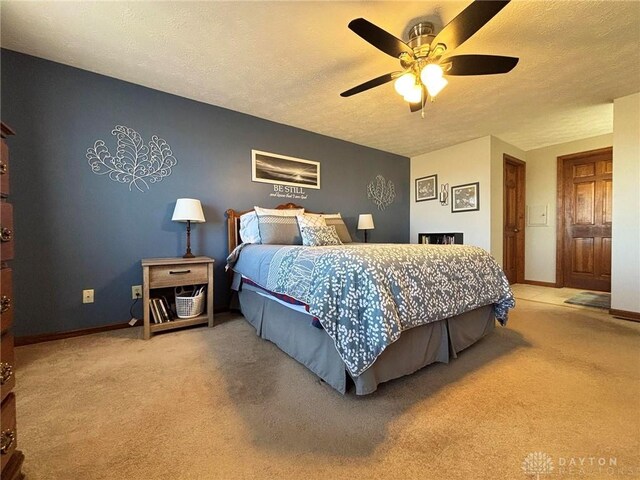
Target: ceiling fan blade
{"points": [[381, 80], [468, 22], [379, 38], [479, 64], [416, 107]]}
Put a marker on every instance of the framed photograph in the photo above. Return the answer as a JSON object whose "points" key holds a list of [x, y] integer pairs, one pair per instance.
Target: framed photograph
{"points": [[282, 170], [427, 188], [465, 198]]}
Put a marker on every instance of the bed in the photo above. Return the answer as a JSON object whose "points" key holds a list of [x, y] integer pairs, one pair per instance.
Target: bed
{"points": [[364, 314]]}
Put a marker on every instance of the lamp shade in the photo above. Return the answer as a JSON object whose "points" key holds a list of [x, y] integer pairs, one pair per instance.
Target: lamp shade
{"points": [[188, 209], [365, 221]]}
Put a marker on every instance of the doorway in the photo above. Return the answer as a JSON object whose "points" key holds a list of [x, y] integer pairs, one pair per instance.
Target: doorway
{"points": [[585, 188], [514, 206]]}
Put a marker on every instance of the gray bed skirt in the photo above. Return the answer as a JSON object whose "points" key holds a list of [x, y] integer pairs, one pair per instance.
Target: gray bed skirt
{"points": [[293, 333]]}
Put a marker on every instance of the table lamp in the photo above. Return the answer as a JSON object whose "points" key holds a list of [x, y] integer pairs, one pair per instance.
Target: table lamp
{"points": [[188, 210], [365, 222]]}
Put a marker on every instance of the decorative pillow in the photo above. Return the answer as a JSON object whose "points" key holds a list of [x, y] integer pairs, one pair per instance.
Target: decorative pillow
{"points": [[249, 231], [319, 236], [279, 230], [335, 219], [291, 212], [310, 220]]}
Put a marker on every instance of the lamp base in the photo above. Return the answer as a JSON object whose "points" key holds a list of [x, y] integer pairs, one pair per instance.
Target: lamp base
{"points": [[188, 254]]}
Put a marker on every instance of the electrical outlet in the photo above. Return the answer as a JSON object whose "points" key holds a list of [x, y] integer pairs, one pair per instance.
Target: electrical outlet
{"points": [[87, 296], [136, 291]]}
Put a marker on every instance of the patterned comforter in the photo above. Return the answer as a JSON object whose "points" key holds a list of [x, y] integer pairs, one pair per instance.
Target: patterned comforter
{"points": [[365, 295]]}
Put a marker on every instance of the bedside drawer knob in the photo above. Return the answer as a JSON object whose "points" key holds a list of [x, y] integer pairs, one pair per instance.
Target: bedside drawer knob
{"points": [[6, 370], [7, 437], [3, 168], [179, 272], [5, 303], [6, 234]]}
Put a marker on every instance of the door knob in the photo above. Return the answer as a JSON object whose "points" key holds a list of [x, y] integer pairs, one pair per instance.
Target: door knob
{"points": [[516, 230]]}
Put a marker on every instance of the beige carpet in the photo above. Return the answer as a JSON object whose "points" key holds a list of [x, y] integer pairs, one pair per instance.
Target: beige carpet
{"points": [[223, 404]]}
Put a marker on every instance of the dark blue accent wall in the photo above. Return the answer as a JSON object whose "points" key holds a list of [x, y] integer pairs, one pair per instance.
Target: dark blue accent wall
{"points": [[77, 230]]}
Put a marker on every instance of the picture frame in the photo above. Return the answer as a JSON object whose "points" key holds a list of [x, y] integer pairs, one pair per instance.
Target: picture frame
{"points": [[465, 198], [426, 188], [283, 170]]}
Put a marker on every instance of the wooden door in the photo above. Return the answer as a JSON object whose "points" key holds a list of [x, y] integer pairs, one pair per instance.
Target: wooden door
{"points": [[584, 220], [514, 200]]}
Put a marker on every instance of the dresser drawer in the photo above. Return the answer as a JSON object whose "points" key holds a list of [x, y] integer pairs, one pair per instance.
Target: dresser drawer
{"points": [[174, 276], [6, 231], [8, 438], [4, 169], [6, 298], [7, 365]]}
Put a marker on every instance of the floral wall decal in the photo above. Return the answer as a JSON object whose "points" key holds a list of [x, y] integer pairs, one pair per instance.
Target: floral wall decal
{"points": [[134, 162], [381, 192]]}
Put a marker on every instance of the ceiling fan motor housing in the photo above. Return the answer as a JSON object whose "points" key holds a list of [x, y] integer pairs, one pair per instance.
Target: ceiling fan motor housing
{"points": [[420, 37]]}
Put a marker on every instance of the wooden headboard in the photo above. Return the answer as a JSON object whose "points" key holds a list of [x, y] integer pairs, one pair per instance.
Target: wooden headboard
{"points": [[233, 223]]}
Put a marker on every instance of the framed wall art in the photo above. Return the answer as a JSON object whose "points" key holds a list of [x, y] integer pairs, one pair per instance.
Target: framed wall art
{"points": [[426, 188], [282, 170], [465, 198]]}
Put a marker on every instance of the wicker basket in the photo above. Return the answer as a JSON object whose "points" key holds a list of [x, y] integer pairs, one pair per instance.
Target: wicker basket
{"points": [[189, 304]]}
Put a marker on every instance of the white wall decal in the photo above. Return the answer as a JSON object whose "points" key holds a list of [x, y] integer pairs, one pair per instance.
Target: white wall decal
{"points": [[381, 192], [286, 191], [134, 163]]}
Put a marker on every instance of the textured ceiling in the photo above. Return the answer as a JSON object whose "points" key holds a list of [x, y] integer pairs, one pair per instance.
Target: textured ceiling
{"points": [[288, 62]]}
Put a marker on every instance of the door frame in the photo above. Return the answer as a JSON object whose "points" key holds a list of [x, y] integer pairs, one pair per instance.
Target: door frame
{"points": [[520, 212], [560, 206]]}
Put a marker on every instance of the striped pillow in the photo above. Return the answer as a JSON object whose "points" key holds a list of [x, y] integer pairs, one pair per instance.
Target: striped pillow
{"points": [[279, 230], [336, 220]]}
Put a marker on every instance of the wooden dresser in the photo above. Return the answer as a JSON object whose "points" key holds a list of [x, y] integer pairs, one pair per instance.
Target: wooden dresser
{"points": [[11, 458]]}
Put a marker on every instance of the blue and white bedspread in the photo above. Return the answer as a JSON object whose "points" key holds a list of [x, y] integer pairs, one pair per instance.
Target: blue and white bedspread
{"points": [[365, 295]]}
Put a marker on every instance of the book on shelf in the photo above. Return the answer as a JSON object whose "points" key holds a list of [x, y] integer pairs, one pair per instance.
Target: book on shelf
{"points": [[164, 309], [168, 309], [155, 313]]}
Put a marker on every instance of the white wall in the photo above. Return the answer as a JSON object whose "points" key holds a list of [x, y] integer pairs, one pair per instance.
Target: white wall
{"points": [[625, 258], [466, 162], [498, 149], [540, 242]]}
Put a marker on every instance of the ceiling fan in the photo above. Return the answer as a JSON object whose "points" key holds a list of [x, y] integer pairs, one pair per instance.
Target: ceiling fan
{"points": [[426, 59]]}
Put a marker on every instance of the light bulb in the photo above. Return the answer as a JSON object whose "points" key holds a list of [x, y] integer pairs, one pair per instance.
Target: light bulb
{"points": [[435, 86], [405, 83], [431, 73], [414, 95]]}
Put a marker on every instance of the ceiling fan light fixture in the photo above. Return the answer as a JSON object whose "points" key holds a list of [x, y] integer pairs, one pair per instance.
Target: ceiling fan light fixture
{"points": [[431, 72], [414, 95], [435, 86], [405, 83]]}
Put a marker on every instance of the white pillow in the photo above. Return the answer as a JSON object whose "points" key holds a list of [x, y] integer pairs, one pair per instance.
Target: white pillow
{"points": [[310, 220], [288, 212], [249, 231], [332, 215]]}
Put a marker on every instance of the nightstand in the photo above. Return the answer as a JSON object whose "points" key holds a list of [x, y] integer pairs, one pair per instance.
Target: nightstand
{"points": [[168, 273]]}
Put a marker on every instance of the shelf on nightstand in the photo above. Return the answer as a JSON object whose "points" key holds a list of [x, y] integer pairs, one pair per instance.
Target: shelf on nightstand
{"points": [[163, 273], [180, 322]]}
